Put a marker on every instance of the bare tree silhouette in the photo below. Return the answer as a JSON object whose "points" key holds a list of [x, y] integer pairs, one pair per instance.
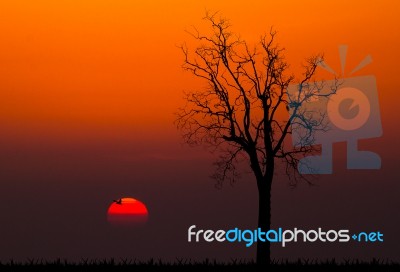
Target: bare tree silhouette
{"points": [[243, 111]]}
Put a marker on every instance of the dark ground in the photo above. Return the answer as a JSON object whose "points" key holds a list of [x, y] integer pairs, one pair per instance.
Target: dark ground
{"points": [[207, 265]]}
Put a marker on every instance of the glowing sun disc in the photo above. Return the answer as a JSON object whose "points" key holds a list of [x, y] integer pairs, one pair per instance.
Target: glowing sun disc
{"points": [[126, 212]]}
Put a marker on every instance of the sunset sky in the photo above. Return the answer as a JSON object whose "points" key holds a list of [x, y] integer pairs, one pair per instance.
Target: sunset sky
{"points": [[88, 91]]}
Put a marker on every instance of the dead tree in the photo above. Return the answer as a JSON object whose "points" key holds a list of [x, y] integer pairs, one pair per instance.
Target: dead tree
{"points": [[245, 109]]}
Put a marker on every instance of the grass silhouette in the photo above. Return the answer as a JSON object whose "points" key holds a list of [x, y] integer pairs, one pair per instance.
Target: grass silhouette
{"points": [[206, 265]]}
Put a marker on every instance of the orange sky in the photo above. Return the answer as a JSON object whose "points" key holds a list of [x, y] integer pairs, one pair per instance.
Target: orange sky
{"points": [[110, 69], [88, 89]]}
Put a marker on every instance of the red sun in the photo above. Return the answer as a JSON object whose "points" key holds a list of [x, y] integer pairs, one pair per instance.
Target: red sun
{"points": [[127, 212]]}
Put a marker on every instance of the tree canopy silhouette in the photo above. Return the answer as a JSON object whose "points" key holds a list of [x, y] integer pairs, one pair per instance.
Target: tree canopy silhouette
{"points": [[245, 110]]}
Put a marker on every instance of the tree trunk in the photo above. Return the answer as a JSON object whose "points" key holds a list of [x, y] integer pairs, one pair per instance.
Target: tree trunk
{"points": [[264, 216]]}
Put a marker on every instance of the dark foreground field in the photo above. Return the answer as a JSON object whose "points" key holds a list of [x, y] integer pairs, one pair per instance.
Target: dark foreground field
{"points": [[207, 265]]}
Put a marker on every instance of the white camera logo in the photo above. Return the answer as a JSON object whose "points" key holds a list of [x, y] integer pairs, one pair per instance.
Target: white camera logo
{"points": [[353, 114]]}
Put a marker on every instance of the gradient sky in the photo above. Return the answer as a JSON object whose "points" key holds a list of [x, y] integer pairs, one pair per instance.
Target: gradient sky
{"points": [[87, 95]]}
